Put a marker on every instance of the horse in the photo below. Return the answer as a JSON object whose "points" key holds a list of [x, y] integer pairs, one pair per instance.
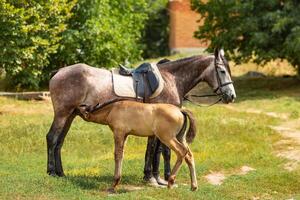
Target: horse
{"points": [[165, 121], [80, 84]]}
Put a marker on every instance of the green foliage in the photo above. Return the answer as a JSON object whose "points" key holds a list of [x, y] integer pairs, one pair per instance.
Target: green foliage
{"points": [[261, 30], [156, 33], [103, 33], [38, 37], [29, 34]]}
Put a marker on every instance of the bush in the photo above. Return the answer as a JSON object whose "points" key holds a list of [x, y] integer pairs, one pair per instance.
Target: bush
{"points": [[156, 33], [29, 34]]}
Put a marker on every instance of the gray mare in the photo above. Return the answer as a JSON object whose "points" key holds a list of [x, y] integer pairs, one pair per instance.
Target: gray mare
{"points": [[80, 84]]}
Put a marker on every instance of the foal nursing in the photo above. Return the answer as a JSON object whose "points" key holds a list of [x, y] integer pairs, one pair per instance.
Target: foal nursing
{"points": [[165, 121]]}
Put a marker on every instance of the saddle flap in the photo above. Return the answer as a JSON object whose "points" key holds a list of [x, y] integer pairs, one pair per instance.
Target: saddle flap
{"points": [[153, 81]]}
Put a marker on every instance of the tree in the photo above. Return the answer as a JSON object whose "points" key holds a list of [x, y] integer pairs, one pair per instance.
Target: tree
{"points": [[103, 33], [156, 32], [258, 30], [29, 34]]}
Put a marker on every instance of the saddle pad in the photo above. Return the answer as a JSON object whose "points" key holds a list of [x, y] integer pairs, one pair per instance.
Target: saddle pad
{"points": [[123, 86]]}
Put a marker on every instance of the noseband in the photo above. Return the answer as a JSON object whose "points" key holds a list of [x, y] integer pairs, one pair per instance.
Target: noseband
{"points": [[220, 86]]}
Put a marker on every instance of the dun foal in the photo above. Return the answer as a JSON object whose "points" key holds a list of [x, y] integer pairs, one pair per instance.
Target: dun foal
{"points": [[165, 121]]}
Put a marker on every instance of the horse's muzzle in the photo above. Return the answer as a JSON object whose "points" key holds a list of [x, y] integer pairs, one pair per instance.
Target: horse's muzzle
{"points": [[228, 97]]}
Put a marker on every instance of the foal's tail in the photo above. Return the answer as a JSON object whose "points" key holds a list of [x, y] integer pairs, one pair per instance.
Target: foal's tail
{"points": [[191, 134]]}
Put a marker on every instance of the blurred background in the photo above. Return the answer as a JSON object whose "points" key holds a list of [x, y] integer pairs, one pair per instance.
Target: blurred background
{"points": [[38, 37]]}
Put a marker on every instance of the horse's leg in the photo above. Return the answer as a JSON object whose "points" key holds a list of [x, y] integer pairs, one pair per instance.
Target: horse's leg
{"points": [[149, 158], [119, 151], [166, 152], [189, 159], [156, 161], [52, 137], [57, 151], [156, 158]]}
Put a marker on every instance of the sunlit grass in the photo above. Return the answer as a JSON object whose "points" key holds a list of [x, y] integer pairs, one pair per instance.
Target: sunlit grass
{"points": [[226, 140]]}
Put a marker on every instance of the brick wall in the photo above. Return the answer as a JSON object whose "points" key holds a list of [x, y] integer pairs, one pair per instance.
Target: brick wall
{"points": [[183, 24]]}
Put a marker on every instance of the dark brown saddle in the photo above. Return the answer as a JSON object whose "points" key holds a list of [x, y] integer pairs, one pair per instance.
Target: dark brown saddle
{"points": [[146, 81]]}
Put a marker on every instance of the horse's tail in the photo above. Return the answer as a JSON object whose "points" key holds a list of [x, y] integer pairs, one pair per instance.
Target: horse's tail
{"points": [[191, 134]]}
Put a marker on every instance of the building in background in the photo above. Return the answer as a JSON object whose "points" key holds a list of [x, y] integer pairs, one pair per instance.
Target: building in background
{"points": [[183, 24]]}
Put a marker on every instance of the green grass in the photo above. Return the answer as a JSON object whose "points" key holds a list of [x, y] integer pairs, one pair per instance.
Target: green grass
{"points": [[270, 94], [227, 139]]}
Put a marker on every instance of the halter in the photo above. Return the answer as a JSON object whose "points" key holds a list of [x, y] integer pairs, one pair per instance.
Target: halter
{"points": [[220, 86]]}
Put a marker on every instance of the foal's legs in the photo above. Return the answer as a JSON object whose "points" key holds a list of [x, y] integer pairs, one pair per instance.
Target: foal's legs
{"points": [[55, 138], [181, 152], [119, 151], [189, 159]]}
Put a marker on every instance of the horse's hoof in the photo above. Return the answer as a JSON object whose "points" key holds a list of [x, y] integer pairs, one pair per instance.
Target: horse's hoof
{"points": [[194, 187], [161, 181], [60, 174], [53, 174], [152, 182], [111, 190], [170, 184]]}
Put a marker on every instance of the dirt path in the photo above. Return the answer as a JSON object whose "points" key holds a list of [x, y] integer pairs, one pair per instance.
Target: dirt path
{"points": [[289, 147], [289, 130]]}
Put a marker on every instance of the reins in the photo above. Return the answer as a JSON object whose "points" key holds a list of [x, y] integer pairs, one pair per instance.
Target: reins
{"points": [[200, 105]]}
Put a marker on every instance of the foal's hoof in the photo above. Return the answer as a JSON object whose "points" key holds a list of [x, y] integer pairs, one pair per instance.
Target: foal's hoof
{"points": [[194, 187], [111, 190], [171, 181], [171, 184]]}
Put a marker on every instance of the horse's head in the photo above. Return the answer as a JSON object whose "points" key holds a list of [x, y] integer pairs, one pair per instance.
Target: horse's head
{"points": [[218, 76]]}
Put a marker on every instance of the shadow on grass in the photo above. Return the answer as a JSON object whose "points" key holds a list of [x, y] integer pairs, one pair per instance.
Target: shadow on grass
{"points": [[267, 88], [104, 182]]}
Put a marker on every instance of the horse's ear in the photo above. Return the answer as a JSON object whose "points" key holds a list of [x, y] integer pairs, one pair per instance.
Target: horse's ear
{"points": [[219, 53], [216, 52]]}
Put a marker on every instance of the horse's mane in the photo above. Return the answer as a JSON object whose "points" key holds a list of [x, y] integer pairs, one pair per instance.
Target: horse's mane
{"points": [[180, 61], [166, 62]]}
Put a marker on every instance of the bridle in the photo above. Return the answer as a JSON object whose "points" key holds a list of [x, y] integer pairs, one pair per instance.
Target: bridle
{"points": [[219, 88], [220, 84]]}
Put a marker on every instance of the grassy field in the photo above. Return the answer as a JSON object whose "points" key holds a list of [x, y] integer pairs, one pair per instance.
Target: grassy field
{"points": [[227, 139]]}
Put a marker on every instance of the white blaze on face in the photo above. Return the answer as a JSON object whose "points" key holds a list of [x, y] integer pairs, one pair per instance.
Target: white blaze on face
{"points": [[228, 79], [225, 77]]}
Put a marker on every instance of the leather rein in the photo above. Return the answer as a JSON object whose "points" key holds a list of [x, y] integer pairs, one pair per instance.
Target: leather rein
{"points": [[220, 86]]}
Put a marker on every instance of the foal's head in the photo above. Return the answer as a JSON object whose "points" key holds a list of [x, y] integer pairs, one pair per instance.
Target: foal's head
{"points": [[218, 76]]}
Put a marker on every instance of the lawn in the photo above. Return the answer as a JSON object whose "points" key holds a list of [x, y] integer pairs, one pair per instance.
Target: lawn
{"points": [[227, 139]]}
